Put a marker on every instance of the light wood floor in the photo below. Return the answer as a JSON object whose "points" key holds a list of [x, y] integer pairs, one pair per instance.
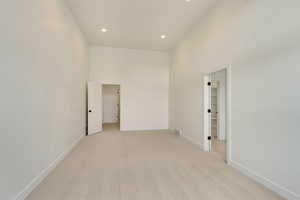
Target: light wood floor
{"points": [[219, 148], [111, 127], [148, 165]]}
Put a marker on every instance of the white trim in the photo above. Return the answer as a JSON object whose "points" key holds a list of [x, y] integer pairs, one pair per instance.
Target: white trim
{"points": [[143, 131], [120, 100], [219, 110], [228, 110], [282, 191], [45, 172], [207, 116]]}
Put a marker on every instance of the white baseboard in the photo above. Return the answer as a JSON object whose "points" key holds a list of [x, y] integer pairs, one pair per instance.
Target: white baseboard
{"points": [[282, 191], [38, 179], [142, 131]]}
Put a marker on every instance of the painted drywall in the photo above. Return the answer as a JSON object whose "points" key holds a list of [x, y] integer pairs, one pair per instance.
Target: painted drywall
{"points": [[144, 79], [43, 59], [111, 101], [260, 39]]}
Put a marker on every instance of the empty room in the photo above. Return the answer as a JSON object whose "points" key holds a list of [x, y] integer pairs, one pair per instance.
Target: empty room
{"points": [[150, 100]]}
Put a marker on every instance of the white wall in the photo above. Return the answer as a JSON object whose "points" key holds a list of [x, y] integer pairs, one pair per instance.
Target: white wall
{"points": [[43, 59], [111, 99], [144, 79], [260, 39]]}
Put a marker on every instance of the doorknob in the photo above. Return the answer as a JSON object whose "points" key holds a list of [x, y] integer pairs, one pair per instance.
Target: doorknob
{"points": [[90, 111]]}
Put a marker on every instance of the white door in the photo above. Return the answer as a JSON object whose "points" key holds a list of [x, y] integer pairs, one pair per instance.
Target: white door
{"points": [[94, 107], [207, 113]]}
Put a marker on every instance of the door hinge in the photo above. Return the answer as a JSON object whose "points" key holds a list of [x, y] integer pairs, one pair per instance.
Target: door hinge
{"points": [[209, 137], [209, 83], [209, 110]]}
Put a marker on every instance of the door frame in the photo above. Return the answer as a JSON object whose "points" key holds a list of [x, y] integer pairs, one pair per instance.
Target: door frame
{"points": [[119, 109], [206, 115], [101, 84]]}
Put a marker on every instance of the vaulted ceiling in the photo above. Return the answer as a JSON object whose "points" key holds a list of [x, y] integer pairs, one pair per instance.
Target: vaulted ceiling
{"points": [[137, 24]]}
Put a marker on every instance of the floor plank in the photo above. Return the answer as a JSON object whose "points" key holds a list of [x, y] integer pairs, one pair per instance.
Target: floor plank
{"points": [[145, 165]]}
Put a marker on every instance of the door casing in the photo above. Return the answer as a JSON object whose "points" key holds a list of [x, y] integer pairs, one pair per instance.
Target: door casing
{"points": [[206, 115]]}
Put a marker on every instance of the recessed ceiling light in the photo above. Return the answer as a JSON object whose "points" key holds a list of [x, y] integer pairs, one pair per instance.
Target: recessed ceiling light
{"points": [[163, 36], [104, 30], [187, 0]]}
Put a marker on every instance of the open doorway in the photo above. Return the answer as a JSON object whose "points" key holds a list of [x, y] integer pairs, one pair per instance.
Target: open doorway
{"points": [[111, 107], [215, 100]]}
